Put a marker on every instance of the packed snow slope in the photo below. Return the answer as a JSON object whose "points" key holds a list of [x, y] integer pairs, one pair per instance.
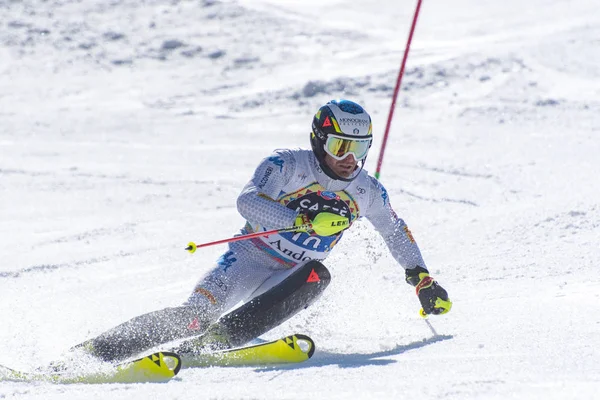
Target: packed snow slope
{"points": [[128, 128]]}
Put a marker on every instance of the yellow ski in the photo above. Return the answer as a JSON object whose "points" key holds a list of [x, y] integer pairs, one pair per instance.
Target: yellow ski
{"points": [[290, 349], [157, 367]]}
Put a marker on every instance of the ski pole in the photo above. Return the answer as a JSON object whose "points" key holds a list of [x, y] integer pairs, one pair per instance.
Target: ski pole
{"points": [[300, 228], [431, 327]]}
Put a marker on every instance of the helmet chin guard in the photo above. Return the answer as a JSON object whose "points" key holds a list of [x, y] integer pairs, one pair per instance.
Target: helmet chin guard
{"points": [[344, 119]]}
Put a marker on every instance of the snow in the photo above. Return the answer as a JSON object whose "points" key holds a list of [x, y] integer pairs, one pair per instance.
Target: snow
{"points": [[128, 128]]}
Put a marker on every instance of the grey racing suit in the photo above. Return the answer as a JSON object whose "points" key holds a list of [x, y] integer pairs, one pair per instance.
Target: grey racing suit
{"points": [[284, 184]]}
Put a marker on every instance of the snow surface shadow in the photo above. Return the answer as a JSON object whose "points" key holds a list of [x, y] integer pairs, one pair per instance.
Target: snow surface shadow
{"points": [[343, 360]]}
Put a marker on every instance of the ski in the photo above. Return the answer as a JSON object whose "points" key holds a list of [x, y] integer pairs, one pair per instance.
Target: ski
{"points": [[162, 366], [156, 367], [290, 349]]}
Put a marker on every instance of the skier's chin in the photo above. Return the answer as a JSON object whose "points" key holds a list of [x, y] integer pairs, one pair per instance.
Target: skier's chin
{"points": [[345, 172]]}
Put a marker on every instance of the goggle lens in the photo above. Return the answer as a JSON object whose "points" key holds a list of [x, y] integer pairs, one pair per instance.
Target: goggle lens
{"points": [[339, 147]]}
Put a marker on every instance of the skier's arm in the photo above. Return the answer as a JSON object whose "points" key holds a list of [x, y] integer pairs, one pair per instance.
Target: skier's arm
{"points": [[257, 202], [393, 229], [433, 297]]}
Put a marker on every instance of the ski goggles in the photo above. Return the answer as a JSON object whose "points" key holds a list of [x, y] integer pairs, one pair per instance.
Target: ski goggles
{"points": [[339, 147]]}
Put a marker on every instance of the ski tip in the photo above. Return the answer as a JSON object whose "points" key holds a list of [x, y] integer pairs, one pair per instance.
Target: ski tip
{"points": [[305, 344], [172, 361]]}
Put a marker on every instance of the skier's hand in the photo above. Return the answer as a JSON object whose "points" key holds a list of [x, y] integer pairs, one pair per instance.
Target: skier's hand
{"points": [[322, 224], [432, 296]]}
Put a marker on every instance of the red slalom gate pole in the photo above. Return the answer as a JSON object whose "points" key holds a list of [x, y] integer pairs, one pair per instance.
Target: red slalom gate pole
{"points": [[397, 89]]}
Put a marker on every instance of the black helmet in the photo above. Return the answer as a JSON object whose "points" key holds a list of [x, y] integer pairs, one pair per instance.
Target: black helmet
{"points": [[339, 128]]}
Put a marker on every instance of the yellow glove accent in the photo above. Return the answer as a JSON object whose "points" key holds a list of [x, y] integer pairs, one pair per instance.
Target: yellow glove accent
{"points": [[444, 305], [324, 224]]}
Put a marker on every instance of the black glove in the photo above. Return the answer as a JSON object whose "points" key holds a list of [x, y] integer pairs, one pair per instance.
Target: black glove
{"points": [[432, 296]]}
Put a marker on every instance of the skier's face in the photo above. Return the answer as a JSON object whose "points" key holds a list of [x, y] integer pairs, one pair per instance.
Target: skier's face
{"points": [[344, 167]]}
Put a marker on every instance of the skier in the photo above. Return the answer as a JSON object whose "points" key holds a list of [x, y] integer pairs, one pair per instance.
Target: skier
{"points": [[321, 192]]}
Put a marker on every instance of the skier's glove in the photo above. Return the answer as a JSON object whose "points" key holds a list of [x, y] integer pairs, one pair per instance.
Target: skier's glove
{"points": [[322, 224], [432, 296]]}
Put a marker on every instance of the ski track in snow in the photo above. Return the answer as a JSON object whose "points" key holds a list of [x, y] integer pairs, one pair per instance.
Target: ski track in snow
{"points": [[129, 128]]}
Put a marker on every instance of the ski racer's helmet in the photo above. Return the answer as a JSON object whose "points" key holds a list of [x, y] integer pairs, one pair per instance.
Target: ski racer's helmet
{"points": [[341, 128]]}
